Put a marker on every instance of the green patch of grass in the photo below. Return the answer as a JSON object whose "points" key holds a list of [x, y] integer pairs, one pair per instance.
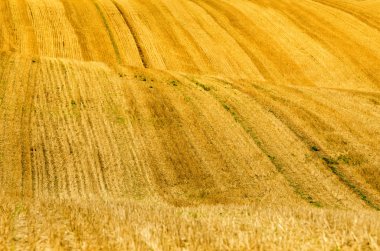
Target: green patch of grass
{"points": [[315, 148], [141, 77], [297, 189], [341, 159], [352, 160], [344, 159], [225, 106], [18, 209], [329, 161], [113, 41], [120, 120], [203, 194], [174, 82], [346, 181], [333, 165], [194, 215], [204, 87], [272, 158], [234, 115]]}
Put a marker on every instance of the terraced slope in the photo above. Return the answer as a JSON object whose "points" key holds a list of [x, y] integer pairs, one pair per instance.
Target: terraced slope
{"points": [[130, 124]]}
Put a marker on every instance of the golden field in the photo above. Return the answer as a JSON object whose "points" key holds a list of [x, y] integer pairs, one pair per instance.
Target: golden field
{"points": [[189, 125]]}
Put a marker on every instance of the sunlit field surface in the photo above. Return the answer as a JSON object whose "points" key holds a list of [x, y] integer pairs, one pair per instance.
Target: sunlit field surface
{"points": [[189, 125]]}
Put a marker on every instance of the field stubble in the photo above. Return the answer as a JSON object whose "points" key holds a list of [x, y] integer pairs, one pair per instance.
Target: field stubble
{"points": [[196, 125]]}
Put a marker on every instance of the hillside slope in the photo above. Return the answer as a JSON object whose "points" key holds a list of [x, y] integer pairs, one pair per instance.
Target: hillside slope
{"points": [[205, 113], [324, 43]]}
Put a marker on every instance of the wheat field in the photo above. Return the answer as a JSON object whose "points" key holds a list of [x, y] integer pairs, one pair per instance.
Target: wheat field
{"points": [[189, 125]]}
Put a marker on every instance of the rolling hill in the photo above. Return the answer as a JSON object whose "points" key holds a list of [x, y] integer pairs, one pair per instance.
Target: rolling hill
{"points": [[189, 124]]}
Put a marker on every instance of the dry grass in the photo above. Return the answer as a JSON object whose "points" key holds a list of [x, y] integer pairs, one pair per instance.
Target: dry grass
{"points": [[189, 125], [125, 225]]}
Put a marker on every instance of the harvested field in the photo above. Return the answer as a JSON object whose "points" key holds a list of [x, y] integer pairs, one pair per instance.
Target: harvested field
{"points": [[189, 125]]}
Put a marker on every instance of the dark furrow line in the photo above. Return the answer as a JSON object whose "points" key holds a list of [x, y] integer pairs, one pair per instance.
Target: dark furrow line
{"points": [[62, 81], [50, 165], [68, 137], [183, 163], [7, 115], [131, 130], [68, 131], [103, 169], [27, 176], [120, 160], [34, 169], [341, 117], [360, 16], [311, 29], [77, 29], [11, 28], [113, 147], [116, 154], [317, 151], [262, 40], [332, 107], [87, 136], [38, 181], [133, 32], [314, 117], [4, 59], [50, 174], [111, 36], [211, 141], [327, 160], [204, 121], [163, 14], [107, 174], [94, 176], [275, 162], [325, 157], [330, 40], [50, 70], [234, 35], [41, 101], [188, 35], [313, 25], [79, 130], [3, 87], [31, 34], [45, 161], [23, 152]]}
